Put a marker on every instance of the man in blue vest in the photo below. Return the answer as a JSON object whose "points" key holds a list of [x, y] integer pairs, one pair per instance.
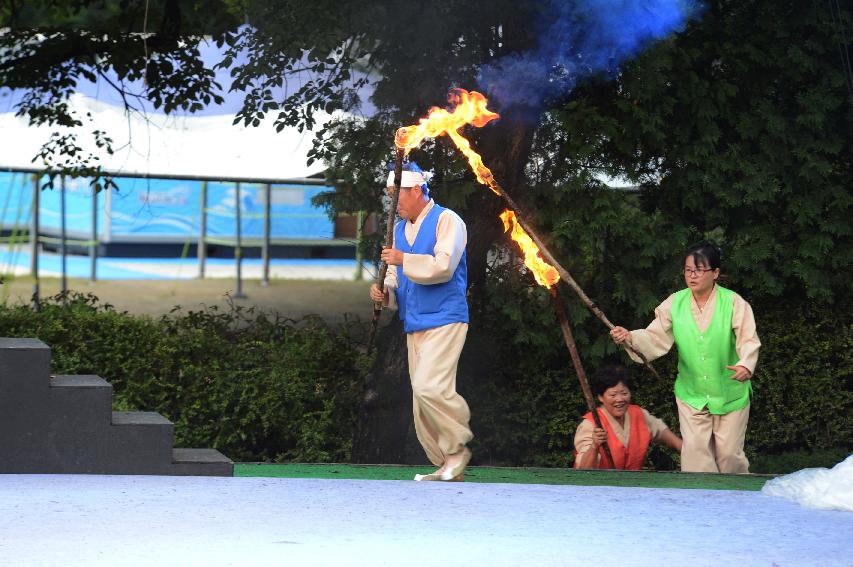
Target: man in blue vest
{"points": [[427, 281]]}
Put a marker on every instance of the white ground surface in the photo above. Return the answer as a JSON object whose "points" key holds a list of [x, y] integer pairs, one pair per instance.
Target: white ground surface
{"points": [[73, 520]]}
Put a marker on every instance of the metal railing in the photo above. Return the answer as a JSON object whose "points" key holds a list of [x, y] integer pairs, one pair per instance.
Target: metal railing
{"points": [[33, 237]]}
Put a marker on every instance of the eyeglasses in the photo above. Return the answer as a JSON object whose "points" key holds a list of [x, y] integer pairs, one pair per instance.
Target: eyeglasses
{"points": [[696, 272]]}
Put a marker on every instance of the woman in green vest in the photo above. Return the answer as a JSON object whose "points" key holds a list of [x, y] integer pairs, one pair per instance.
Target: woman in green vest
{"points": [[713, 329]]}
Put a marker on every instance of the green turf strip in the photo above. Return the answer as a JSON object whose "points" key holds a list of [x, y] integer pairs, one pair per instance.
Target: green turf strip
{"points": [[513, 475]]}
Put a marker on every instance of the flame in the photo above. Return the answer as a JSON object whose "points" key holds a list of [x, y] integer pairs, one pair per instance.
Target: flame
{"points": [[545, 274], [468, 108]]}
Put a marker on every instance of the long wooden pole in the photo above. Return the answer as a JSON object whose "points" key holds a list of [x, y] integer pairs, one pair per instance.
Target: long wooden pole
{"points": [[576, 361], [564, 273], [389, 240]]}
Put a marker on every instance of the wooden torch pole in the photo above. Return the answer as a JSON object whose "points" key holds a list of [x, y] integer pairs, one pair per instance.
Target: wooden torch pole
{"points": [[389, 241], [576, 361], [564, 273]]}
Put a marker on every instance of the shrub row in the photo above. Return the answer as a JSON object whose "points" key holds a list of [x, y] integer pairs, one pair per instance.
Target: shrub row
{"points": [[264, 388], [256, 387], [527, 411]]}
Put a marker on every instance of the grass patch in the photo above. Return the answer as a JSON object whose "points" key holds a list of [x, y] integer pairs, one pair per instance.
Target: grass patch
{"points": [[643, 479]]}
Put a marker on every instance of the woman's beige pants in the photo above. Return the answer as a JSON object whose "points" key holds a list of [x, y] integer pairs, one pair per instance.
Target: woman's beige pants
{"points": [[712, 443]]}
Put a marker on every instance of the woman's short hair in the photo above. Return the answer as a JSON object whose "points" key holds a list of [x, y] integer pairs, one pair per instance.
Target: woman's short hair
{"points": [[706, 253], [608, 376]]}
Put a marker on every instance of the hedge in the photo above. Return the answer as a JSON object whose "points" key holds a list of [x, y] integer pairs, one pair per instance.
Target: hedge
{"points": [[527, 411], [256, 387], [264, 388]]}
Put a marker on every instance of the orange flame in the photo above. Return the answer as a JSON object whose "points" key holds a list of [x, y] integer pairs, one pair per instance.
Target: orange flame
{"points": [[545, 274], [469, 108]]}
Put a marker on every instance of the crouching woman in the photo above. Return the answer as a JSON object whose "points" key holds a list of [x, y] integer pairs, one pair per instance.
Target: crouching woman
{"points": [[628, 428]]}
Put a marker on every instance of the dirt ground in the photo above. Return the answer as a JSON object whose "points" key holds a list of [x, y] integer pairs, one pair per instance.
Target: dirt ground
{"points": [[292, 298]]}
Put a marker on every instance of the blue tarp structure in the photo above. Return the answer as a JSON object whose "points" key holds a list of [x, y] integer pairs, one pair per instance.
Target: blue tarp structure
{"points": [[165, 210]]}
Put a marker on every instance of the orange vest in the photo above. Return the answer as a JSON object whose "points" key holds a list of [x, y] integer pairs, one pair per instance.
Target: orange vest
{"points": [[629, 458]]}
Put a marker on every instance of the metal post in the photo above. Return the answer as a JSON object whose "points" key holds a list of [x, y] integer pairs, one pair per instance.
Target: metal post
{"points": [[107, 229], [93, 248], [201, 247], [62, 251], [238, 250], [34, 242], [265, 249], [359, 255]]}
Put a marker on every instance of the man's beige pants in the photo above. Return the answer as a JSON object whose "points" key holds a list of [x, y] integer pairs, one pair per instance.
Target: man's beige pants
{"points": [[712, 443], [441, 415]]}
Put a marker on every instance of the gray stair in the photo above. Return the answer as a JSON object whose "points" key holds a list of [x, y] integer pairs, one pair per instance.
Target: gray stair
{"points": [[69, 393], [65, 424], [201, 462]]}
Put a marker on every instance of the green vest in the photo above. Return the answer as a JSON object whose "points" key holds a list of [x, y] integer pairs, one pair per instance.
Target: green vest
{"points": [[703, 379]]}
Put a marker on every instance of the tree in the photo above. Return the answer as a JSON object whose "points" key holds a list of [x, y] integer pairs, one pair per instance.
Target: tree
{"points": [[416, 53], [48, 46], [739, 129], [736, 128]]}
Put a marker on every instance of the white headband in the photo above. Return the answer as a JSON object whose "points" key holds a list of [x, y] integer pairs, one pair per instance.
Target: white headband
{"points": [[410, 179]]}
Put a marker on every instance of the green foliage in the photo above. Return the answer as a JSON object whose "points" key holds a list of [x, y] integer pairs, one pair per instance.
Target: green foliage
{"points": [[258, 388], [268, 389], [357, 154], [528, 403], [797, 460], [740, 127], [804, 385]]}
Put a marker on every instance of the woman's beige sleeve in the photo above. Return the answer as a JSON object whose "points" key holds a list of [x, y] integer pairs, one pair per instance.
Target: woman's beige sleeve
{"points": [[747, 342], [655, 424], [657, 339], [583, 438]]}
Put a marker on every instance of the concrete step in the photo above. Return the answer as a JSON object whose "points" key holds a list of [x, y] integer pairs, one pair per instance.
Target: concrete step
{"points": [[142, 418], [24, 368], [65, 424], [80, 401], [140, 442], [201, 462], [58, 428], [78, 381]]}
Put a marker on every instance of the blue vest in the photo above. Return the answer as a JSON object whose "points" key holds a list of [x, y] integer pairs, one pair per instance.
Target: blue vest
{"points": [[429, 306]]}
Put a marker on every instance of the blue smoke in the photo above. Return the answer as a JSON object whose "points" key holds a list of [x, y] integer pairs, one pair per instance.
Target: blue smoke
{"points": [[578, 39]]}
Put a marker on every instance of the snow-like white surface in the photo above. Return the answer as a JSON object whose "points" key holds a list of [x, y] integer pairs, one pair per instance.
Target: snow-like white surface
{"points": [[113, 520], [155, 143], [829, 489]]}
